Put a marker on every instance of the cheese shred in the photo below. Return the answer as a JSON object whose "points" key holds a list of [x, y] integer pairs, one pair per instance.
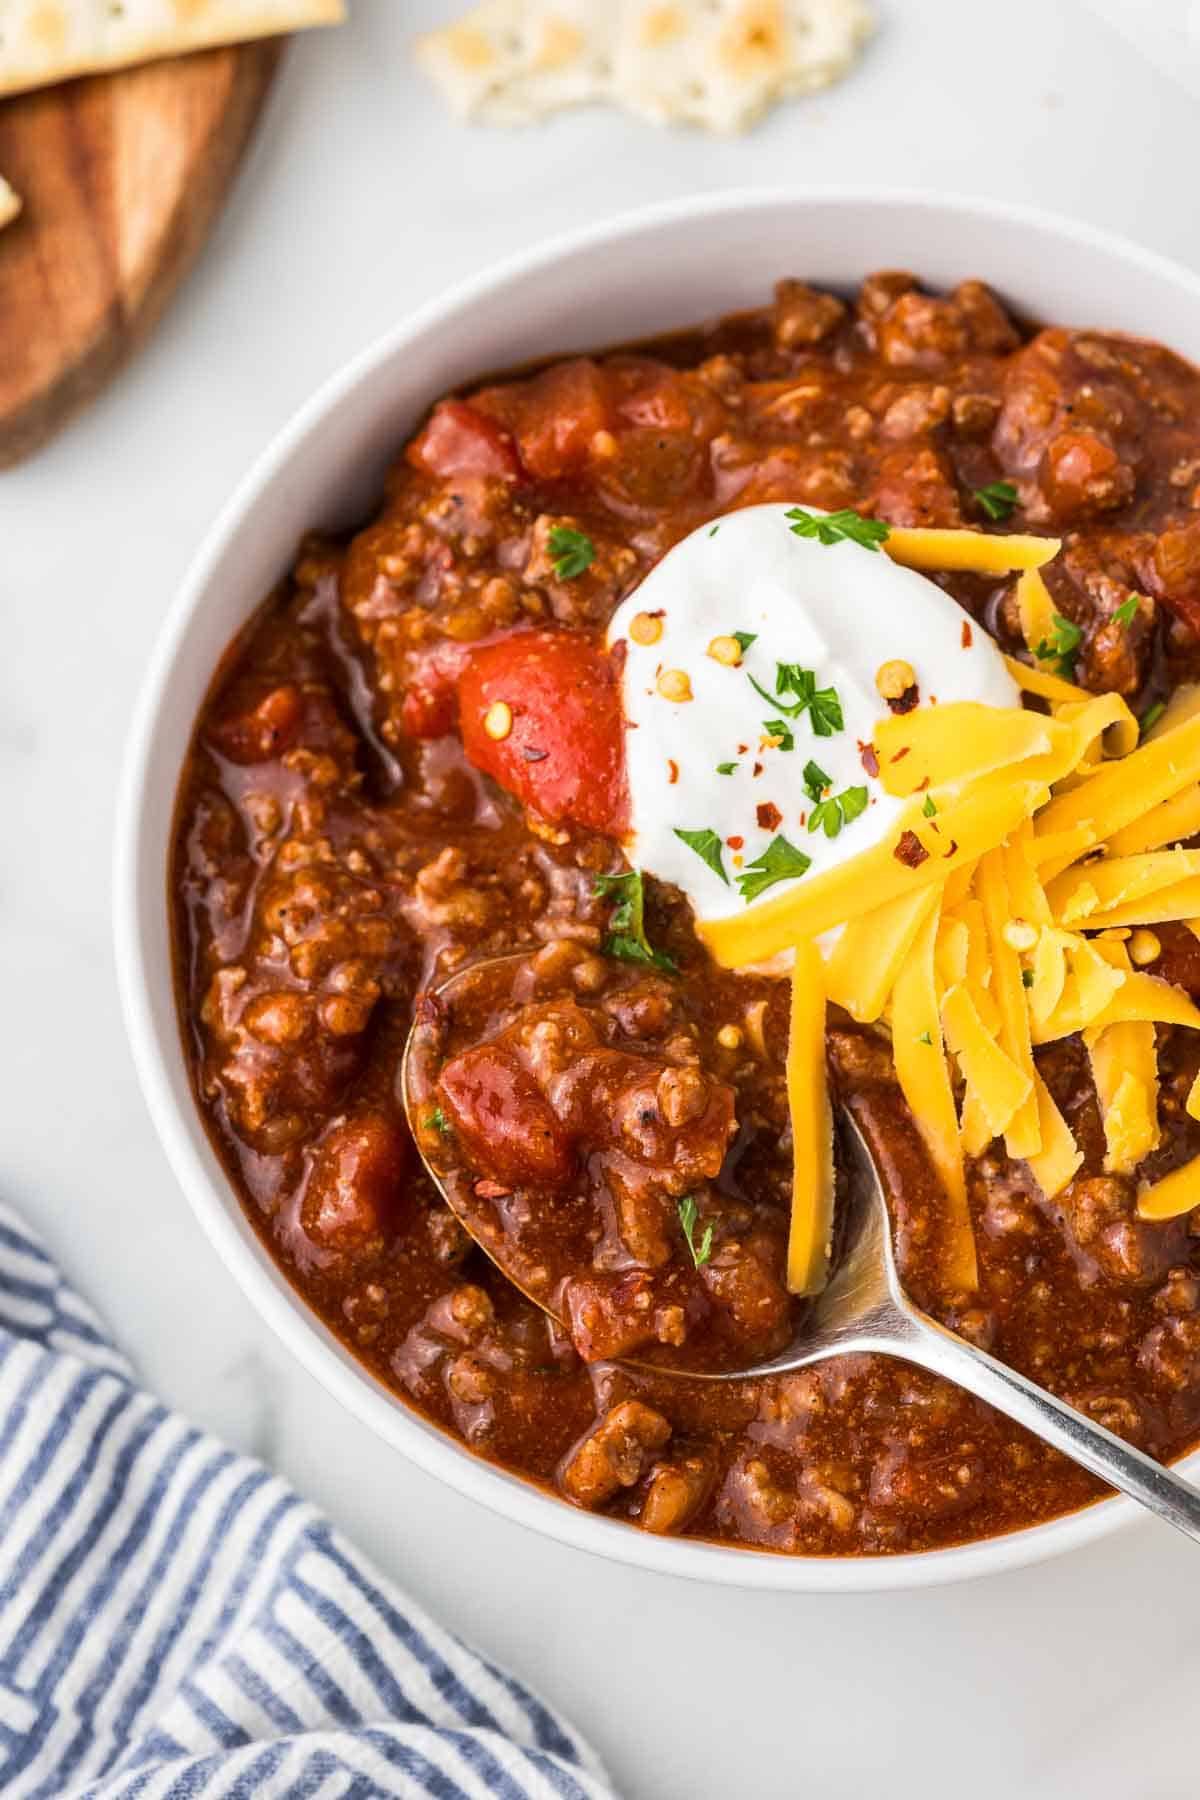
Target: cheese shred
{"points": [[992, 919]]}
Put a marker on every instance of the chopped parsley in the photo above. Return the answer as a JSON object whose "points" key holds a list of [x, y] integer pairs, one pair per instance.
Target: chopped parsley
{"points": [[627, 940], [726, 768], [744, 639], [816, 780], [714, 531], [925, 1039], [1124, 613], [437, 1121], [688, 1214], [837, 811], [571, 552], [1061, 647], [779, 728], [838, 527], [998, 499], [1150, 717], [823, 705], [930, 807], [707, 846], [780, 861]]}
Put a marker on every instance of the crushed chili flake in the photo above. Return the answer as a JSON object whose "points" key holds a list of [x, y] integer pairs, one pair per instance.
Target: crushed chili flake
{"points": [[922, 785], [953, 847], [902, 753], [910, 850], [735, 843], [905, 703], [769, 816], [868, 757], [672, 771], [968, 636], [758, 769], [742, 749]]}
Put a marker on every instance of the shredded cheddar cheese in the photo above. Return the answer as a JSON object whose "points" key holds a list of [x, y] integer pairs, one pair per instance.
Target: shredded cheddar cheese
{"points": [[1035, 846], [812, 1128]]}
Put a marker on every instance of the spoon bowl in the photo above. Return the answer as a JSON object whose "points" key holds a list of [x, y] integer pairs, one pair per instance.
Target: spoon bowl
{"points": [[862, 1309]]}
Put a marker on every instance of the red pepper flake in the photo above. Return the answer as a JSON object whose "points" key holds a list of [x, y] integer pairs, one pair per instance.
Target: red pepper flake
{"points": [[868, 757], [735, 843], [968, 636], [491, 1190], [953, 847], [804, 818], [907, 701], [742, 749], [757, 769], [672, 771], [902, 753], [921, 786], [769, 816], [910, 850]]}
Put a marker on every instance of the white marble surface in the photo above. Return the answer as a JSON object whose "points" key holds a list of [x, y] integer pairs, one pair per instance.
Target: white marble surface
{"points": [[359, 201]]}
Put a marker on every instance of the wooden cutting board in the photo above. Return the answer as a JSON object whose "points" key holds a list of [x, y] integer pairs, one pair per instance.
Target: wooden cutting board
{"points": [[121, 177]]}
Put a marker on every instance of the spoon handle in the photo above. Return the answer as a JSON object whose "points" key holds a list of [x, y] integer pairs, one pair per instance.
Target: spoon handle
{"points": [[1103, 1453]]}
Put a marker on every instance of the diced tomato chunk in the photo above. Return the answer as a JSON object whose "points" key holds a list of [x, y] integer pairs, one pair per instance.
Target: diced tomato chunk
{"points": [[558, 415], [265, 731], [459, 440], [354, 1188], [563, 752], [504, 1119]]}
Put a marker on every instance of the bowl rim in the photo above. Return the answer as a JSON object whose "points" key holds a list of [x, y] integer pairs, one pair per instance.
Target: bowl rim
{"points": [[135, 845]]}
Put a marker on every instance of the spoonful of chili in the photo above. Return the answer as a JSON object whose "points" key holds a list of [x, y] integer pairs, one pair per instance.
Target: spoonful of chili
{"points": [[476, 1052]]}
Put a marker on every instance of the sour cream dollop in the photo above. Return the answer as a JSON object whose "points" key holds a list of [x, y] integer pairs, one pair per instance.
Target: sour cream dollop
{"points": [[704, 752]]}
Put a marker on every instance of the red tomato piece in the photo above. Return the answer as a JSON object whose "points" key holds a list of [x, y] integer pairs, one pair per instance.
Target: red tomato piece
{"points": [[504, 1118], [458, 440], [264, 732], [564, 754], [354, 1188], [559, 414]]}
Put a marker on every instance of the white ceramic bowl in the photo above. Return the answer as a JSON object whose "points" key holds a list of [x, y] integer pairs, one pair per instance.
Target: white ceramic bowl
{"points": [[665, 267]]}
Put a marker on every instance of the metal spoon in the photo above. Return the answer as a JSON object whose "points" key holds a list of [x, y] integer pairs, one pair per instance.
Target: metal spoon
{"points": [[865, 1309]]}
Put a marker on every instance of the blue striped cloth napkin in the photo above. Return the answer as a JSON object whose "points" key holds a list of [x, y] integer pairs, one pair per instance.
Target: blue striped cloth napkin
{"points": [[176, 1621]]}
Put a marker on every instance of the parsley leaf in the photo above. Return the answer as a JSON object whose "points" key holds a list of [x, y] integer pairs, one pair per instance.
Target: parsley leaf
{"points": [[571, 552], [823, 705], [854, 801], [837, 811], [714, 531], [627, 940], [438, 1122], [1061, 647], [1124, 613], [1150, 717], [925, 1039], [707, 846], [998, 499], [688, 1214], [780, 861], [779, 728], [839, 527], [744, 638], [726, 768], [816, 780], [930, 807]]}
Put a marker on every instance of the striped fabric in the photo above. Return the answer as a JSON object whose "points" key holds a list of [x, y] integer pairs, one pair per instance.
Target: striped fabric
{"points": [[176, 1621]]}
